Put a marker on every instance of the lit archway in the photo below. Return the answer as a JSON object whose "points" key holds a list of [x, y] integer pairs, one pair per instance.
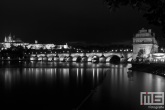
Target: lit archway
{"points": [[84, 59], [62, 58], [69, 59], [56, 58], [45, 58], [33, 58], [95, 59], [102, 59], [50, 58]]}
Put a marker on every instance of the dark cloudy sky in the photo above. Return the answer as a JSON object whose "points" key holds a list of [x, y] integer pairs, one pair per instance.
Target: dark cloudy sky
{"points": [[58, 21]]}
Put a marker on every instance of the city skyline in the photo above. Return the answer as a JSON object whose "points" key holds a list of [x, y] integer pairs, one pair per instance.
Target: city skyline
{"points": [[15, 39]]}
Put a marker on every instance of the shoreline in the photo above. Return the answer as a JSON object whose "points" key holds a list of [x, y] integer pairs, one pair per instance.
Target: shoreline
{"points": [[158, 69]]}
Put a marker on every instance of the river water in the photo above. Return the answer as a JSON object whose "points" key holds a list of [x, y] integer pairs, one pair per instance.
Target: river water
{"points": [[85, 86]]}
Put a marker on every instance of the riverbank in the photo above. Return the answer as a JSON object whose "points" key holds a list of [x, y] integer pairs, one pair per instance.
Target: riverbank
{"points": [[153, 68], [119, 91]]}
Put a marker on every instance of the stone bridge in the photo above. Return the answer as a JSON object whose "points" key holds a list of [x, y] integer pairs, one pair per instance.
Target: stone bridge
{"points": [[82, 57]]}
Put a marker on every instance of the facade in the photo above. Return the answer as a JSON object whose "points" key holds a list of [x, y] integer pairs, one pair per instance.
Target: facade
{"points": [[144, 44]]}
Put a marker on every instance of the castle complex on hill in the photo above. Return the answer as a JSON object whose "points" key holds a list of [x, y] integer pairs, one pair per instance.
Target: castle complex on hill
{"points": [[12, 41]]}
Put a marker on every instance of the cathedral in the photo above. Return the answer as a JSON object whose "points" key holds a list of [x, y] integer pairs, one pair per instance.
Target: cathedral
{"points": [[12, 41], [11, 38]]}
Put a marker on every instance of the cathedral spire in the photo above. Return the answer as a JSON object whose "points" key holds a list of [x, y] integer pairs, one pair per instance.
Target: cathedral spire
{"points": [[10, 39], [5, 40]]}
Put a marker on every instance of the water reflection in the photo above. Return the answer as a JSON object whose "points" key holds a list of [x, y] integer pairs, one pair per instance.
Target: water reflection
{"points": [[62, 73], [75, 80]]}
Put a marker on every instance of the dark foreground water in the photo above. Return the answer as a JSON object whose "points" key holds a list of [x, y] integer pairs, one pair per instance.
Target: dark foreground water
{"points": [[68, 86]]}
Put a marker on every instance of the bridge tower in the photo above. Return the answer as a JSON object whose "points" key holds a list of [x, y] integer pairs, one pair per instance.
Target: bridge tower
{"points": [[144, 44]]}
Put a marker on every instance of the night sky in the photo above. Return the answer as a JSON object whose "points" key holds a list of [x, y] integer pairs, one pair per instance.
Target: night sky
{"points": [[60, 21]]}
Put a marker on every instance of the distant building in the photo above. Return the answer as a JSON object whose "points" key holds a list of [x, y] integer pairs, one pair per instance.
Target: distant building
{"points": [[62, 46], [47, 46], [12, 41], [144, 44], [40, 46]]}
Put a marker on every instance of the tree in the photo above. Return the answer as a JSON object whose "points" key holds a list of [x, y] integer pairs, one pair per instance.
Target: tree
{"points": [[154, 10], [140, 53]]}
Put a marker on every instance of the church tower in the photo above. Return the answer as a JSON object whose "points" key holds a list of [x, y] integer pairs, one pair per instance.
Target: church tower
{"points": [[144, 44]]}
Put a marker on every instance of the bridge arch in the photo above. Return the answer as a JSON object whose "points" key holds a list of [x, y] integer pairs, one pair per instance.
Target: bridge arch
{"points": [[62, 58], [84, 59], [115, 59], [33, 58], [76, 59], [89, 59], [50, 58], [68, 59], [95, 59], [45, 58], [102, 59], [56, 58], [40, 58]]}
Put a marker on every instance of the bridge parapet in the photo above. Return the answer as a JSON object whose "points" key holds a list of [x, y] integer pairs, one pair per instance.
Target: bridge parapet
{"points": [[94, 54], [78, 54], [110, 54]]}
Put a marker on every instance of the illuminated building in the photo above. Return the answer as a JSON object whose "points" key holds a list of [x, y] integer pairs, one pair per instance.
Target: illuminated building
{"points": [[40, 46], [46, 46], [63, 46], [144, 43], [12, 41]]}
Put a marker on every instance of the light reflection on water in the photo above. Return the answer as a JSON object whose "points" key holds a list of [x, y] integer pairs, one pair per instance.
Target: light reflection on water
{"points": [[75, 80], [51, 71]]}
